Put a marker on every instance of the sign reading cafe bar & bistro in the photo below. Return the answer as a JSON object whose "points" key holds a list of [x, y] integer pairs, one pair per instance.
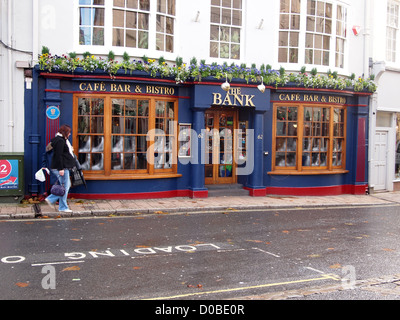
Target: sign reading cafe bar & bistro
{"points": [[125, 88], [304, 97]]}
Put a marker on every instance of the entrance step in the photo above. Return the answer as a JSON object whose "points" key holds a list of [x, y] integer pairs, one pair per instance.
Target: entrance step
{"points": [[226, 190]]}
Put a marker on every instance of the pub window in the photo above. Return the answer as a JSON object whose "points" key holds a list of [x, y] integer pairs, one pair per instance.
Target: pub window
{"points": [[120, 137], [308, 138]]}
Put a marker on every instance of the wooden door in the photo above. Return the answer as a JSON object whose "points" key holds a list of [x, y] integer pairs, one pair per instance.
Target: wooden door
{"points": [[220, 167]]}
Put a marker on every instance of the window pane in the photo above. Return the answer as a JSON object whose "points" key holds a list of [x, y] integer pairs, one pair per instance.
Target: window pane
{"points": [[131, 38], [118, 37], [98, 17], [131, 20], [118, 18]]}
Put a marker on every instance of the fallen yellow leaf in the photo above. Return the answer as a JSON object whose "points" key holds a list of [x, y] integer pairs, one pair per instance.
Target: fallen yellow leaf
{"points": [[74, 268], [22, 284]]}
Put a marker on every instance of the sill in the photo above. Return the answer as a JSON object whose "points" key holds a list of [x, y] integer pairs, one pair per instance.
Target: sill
{"points": [[143, 176], [307, 172]]}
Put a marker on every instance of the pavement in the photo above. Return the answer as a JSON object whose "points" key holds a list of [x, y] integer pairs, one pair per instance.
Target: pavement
{"points": [[91, 208]]}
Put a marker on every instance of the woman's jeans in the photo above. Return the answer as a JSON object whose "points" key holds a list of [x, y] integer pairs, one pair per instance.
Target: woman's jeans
{"points": [[64, 180]]}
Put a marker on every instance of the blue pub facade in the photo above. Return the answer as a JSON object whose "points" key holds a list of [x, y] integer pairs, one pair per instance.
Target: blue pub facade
{"points": [[141, 137]]}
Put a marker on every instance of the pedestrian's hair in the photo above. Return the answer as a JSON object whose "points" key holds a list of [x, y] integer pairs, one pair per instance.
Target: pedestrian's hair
{"points": [[65, 130]]}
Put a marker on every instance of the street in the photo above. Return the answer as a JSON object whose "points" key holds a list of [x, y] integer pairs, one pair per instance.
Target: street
{"points": [[201, 256]]}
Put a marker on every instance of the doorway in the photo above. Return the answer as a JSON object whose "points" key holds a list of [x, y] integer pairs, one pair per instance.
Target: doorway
{"points": [[379, 163], [220, 166]]}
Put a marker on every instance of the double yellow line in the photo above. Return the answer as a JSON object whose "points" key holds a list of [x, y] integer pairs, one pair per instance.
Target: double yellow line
{"points": [[323, 277]]}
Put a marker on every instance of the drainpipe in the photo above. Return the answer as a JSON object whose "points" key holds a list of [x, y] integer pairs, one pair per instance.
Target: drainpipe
{"points": [[366, 34], [35, 31], [11, 78]]}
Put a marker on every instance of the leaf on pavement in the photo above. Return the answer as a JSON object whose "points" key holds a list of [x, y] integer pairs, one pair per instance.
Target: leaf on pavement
{"points": [[335, 266], [22, 284], [74, 268], [161, 212]]}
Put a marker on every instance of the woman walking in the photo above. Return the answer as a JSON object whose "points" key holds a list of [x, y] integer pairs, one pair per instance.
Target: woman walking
{"points": [[63, 160]]}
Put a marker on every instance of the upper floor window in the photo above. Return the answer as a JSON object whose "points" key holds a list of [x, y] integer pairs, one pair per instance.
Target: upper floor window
{"points": [[392, 25], [165, 25], [226, 25], [142, 24], [312, 32], [91, 22], [289, 25], [341, 33], [318, 32], [131, 23]]}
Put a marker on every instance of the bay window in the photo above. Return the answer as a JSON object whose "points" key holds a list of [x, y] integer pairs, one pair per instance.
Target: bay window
{"points": [[313, 32], [122, 137], [308, 139]]}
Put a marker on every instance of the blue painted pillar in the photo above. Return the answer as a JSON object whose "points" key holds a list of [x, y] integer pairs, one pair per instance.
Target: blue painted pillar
{"points": [[255, 185], [198, 189]]}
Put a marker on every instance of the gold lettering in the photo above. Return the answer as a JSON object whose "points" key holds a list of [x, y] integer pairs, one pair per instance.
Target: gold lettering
{"points": [[113, 87], [127, 88], [102, 86], [238, 99], [82, 86], [227, 101], [217, 99], [249, 102]]}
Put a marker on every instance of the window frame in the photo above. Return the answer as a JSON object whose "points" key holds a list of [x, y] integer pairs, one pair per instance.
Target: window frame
{"points": [[299, 168], [108, 27], [131, 174], [338, 44], [226, 26], [392, 34]]}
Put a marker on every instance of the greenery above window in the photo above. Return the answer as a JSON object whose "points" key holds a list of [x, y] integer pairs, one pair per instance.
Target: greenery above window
{"points": [[181, 72]]}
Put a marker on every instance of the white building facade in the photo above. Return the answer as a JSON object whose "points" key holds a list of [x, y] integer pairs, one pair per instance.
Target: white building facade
{"points": [[331, 37], [288, 33], [384, 51]]}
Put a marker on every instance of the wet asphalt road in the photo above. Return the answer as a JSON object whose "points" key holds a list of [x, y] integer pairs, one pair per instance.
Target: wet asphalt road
{"points": [[197, 256]]}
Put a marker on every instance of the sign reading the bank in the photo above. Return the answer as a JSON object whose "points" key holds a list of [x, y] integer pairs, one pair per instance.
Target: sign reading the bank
{"points": [[126, 88], [234, 97]]}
